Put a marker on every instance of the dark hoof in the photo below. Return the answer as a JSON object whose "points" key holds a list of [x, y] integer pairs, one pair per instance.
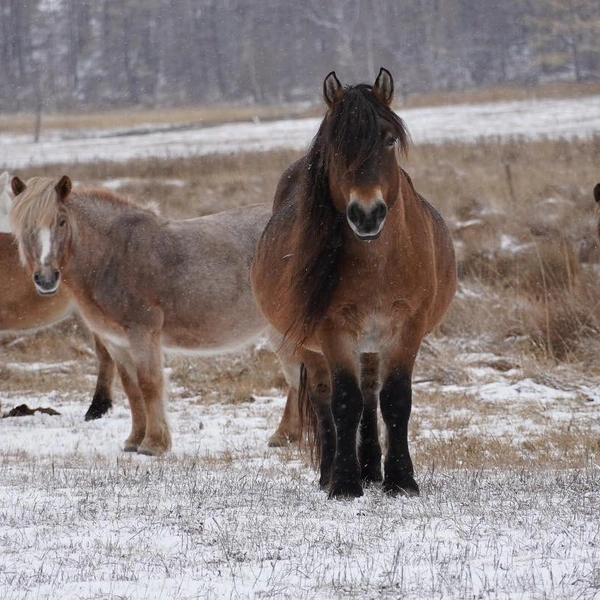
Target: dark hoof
{"points": [[345, 490], [97, 409], [408, 488]]}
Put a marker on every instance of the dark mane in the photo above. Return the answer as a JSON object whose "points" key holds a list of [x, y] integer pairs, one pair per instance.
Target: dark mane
{"points": [[346, 138], [350, 131]]}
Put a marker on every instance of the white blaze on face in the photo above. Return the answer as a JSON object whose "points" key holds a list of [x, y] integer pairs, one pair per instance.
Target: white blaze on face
{"points": [[44, 237]]}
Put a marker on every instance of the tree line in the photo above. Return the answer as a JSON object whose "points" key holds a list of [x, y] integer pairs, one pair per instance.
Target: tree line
{"points": [[71, 54]]}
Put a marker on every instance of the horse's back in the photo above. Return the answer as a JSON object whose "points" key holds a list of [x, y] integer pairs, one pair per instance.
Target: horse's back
{"points": [[207, 243], [195, 272]]}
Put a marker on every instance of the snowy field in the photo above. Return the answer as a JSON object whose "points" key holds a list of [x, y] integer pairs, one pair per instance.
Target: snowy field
{"points": [[224, 516], [551, 118]]}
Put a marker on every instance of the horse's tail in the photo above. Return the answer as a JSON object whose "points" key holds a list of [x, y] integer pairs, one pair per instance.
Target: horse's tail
{"points": [[309, 427]]}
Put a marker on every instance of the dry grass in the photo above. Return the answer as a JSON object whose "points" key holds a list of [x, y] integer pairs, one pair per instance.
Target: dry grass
{"points": [[524, 224], [135, 118]]}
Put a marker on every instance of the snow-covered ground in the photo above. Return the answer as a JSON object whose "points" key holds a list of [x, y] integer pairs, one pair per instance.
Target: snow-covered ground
{"points": [[224, 516], [551, 118]]}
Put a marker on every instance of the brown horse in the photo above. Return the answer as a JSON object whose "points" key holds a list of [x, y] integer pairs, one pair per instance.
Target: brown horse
{"points": [[355, 268], [23, 309], [144, 283]]}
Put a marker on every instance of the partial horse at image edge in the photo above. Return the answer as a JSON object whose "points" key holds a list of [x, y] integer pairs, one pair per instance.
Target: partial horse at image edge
{"points": [[5, 201], [23, 310]]}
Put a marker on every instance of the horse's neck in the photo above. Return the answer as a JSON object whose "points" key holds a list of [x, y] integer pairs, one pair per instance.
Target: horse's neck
{"points": [[91, 239]]}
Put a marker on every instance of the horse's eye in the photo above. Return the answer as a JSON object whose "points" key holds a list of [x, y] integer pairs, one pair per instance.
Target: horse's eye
{"points": [[390, 141], [62, 223]]}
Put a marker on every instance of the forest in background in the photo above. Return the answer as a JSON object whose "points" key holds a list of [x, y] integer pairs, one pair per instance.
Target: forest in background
{"points": [[89, 54]]}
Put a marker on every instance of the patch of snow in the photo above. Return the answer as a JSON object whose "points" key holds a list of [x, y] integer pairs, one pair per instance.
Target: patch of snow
{"points": [[529, 119]]}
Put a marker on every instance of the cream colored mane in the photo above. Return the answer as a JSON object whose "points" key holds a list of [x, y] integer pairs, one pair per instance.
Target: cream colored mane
{"points": [[35, 207]]}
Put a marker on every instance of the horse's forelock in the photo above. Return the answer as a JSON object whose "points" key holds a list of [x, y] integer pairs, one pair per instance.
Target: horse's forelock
{"points": [[37, 206], [350, 130]]}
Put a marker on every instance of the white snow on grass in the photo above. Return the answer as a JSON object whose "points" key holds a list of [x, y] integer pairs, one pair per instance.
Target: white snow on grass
{"points": [[532, 119], [224, 516]]}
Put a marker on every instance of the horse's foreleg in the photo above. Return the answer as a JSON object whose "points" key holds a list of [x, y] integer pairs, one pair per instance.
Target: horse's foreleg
{"points": [[102, 399], [396, 404], [346, 408], [132, 390], [369, 448], [147, 355]]}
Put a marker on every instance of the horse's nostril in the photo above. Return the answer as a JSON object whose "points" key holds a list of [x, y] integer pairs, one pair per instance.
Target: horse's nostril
{"points": [[380, 211], [36, 277], [56, 275], [355, 213]]}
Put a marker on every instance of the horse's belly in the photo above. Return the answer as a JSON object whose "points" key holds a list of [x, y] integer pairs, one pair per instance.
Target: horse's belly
{"points": [[208, 343]]}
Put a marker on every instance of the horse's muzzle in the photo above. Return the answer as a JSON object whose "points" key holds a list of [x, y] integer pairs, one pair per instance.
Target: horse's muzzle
{"points": [[366, 222], [46, 283]]}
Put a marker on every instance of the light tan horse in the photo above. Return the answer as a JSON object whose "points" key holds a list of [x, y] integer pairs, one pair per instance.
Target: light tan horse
{"points": [[5, 201], [144, 284], [22, 309], [355, 268]]}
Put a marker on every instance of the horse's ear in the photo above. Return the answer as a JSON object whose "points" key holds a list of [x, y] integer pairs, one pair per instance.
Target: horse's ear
{"points": [[332, 89], [384, 86], [597, 192], [18, 185], [63, 187]]}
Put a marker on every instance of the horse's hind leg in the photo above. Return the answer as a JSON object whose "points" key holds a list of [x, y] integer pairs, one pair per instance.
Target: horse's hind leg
{"points": [[317, 419], [289, 426], [369, 448], [102, 400]]}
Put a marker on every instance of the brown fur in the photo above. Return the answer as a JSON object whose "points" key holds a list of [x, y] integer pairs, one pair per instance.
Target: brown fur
{"points": [[333, 293], [22, 309], [143, 283]]}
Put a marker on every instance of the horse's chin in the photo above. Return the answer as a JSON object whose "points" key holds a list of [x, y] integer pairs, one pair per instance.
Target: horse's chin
{"points": [[369, 237], [44, 292]]}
